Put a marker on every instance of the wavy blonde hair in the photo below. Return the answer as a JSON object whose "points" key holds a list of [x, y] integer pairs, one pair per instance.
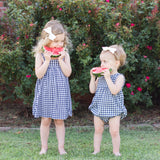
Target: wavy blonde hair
{"points": [[57, 28], [119, 55]]}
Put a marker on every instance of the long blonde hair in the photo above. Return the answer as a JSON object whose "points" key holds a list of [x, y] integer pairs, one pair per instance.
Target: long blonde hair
{"points": [[56, 28]]}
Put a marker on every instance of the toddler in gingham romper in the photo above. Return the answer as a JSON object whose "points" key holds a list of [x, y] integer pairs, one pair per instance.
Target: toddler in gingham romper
{"points": [[108, 101], [52, 92]]}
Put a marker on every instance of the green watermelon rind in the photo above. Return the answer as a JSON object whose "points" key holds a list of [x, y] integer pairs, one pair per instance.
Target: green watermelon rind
{"points": [[55, 56], [43, 49], [100, 74], [97, 74]]}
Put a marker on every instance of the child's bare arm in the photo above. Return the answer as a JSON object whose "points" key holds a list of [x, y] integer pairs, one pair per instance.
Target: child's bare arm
{"points": [[117, 86], [65, 64], [93, 83], [40, 67]]}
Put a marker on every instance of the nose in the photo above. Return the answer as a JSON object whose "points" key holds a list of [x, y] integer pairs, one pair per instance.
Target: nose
{"points": [[102, 64]]}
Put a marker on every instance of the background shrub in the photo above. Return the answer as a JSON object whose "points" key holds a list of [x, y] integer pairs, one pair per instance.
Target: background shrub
{"points": [[91, 24]]}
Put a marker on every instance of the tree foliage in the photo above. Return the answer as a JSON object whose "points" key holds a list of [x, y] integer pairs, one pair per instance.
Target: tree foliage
{"points": [[91, 24]]}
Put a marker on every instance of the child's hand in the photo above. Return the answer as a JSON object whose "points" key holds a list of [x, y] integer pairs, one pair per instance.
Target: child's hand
{"points": [[63, 53], [106, 74], [47, 55], [92, 76]]}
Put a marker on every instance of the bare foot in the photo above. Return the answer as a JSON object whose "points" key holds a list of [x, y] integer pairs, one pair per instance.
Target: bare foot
{"points": [[43, 151], [95, 152], [117, 154], [62, 151]]}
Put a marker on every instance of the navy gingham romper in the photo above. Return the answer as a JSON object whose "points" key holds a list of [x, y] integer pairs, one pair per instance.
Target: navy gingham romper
{"points": [[106, 105], [52, 94]]}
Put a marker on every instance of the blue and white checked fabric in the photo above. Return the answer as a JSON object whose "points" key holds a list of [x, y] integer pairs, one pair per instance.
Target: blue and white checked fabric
{"points": [[106, 105], [52, 94]]}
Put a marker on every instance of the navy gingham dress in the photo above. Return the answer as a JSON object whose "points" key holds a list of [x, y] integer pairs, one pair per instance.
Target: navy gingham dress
{"points": [[106, 105], [52, 94]]}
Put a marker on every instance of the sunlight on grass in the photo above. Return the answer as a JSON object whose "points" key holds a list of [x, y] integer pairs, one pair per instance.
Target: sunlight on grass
{"points": [[136, 144]]}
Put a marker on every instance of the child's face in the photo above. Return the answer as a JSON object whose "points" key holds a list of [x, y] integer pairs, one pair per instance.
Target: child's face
{"points": [[108, 60], [58, 42]]}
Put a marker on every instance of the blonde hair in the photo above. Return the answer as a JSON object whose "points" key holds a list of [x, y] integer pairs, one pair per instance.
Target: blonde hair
{"points": [[119, 55], [56, 28]]}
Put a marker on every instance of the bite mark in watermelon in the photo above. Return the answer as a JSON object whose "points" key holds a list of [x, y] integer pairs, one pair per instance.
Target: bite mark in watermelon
{"points": [[55, 51], [98, 71]]}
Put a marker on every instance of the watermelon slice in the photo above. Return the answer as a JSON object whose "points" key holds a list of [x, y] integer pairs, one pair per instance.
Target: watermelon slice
{"points": [[98, 71], [55, 51]]}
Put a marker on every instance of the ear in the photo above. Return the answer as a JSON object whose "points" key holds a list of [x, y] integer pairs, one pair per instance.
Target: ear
{"points": [[117, 63]]}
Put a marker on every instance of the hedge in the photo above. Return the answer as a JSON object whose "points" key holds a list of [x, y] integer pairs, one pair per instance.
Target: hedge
{"points": [[91, 24]]}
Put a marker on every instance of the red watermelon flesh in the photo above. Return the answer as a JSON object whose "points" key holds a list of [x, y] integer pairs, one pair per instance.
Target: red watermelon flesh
{"points": [[97, 71], [55, 51]]}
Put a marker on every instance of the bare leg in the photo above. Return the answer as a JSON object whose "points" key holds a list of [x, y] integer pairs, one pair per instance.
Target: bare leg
{"points": [[44, 133], [114, 125], [99, 128], [60, 132]]}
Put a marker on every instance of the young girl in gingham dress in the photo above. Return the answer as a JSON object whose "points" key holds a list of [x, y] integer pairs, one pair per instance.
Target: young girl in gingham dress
{"points": [[108, 101], [52, 92]]}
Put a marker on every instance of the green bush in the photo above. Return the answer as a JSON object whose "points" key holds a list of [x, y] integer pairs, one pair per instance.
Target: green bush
{"points": [[91, 24]]}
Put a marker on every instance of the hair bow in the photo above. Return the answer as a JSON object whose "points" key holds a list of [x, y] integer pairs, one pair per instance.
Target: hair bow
{"points": [[49, 31], [112, 50]]}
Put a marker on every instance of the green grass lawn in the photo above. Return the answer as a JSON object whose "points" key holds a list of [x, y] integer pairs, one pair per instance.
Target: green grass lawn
{"points": [[136, 144]]}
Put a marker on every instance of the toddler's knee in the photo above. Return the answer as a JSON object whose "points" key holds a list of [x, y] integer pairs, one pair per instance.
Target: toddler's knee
{"points": [[99, 129], [114, 133], [59, 122], [46, 122]]}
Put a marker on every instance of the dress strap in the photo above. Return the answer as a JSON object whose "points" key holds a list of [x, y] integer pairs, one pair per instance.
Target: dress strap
{"points": [[43, 56]]}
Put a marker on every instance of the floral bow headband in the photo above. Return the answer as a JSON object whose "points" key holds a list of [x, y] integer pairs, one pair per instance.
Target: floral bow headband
{"points": [[112, 50], [51, 35]]}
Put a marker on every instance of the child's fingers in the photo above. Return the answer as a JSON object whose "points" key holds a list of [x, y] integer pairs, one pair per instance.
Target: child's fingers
{"points": [[63, 53], [106, 73], [48, 53], [91, 73]]}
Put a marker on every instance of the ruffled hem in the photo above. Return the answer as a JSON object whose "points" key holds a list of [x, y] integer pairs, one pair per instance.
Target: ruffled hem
{"points": [[106, 118], [62, 118]]}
